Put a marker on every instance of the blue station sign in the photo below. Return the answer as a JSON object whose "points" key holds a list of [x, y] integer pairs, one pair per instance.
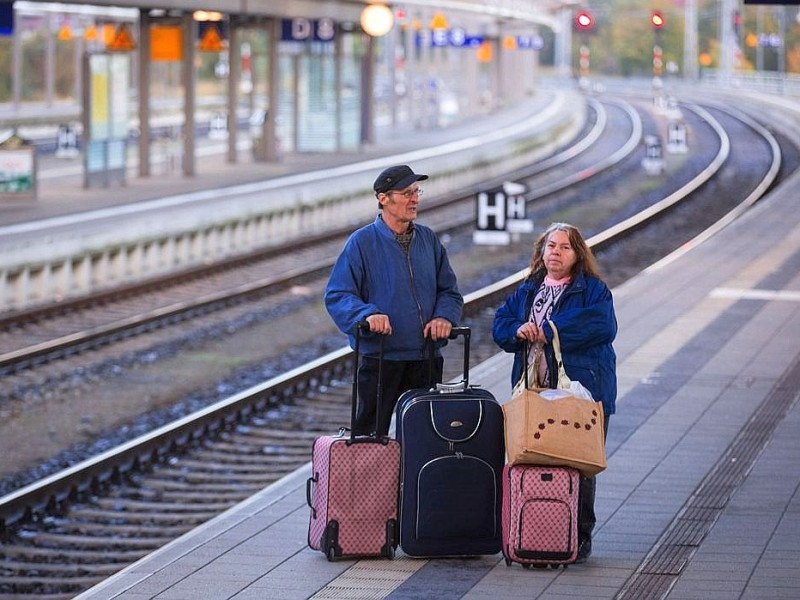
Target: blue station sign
{"points": [[308, 30], [6, 18], [455, 37]]}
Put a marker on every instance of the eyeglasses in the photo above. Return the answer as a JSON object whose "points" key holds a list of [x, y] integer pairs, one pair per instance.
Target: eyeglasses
{"points": [[408, 194]]}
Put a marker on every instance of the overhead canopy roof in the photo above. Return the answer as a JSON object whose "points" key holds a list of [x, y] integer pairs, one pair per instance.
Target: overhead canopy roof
{"points": [[541, 12]]}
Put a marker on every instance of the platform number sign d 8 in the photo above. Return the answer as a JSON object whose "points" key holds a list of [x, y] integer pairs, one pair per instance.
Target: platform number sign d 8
{"points": [[308, 30]]}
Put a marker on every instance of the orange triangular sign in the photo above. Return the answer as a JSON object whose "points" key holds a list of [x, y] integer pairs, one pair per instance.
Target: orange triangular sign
{"points": [[65, 33], [123, 39], [211, 41], [439, 21]]}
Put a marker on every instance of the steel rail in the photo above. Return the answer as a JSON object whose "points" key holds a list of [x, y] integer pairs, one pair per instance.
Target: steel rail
{"points": [[649, 213], [754, 196]]}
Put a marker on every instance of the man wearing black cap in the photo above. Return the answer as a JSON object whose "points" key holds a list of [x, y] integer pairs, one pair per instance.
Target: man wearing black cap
{"points": [[395, 275]]}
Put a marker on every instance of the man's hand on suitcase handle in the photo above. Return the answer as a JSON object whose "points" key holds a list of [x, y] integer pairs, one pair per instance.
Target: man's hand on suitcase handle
{"points": [[437, 329], [378, 324]]}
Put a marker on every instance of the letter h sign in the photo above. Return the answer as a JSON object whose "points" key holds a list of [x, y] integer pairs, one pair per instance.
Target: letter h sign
{"points": [[500, 212], [492, 211]]}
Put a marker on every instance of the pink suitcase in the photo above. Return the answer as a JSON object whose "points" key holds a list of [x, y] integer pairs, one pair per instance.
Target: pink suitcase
{"points": [[353, 492], [540, 515]]}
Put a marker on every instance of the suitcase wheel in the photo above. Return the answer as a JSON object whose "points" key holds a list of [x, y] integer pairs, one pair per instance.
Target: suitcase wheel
{"points": [[509, 562], [330, 541], [388, 549]]}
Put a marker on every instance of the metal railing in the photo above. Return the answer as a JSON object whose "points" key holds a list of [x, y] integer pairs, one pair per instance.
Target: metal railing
{"points": [[768, 82]]}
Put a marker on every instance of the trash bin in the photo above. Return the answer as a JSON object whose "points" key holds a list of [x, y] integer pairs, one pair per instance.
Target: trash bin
{"points": [[17, 168]]}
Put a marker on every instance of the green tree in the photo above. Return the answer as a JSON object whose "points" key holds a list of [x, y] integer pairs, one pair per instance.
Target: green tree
{"points": [[633, 37]]}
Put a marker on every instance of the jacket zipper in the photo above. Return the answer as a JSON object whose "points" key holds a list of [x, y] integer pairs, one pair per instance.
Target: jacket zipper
{"points": [[414, 291]]}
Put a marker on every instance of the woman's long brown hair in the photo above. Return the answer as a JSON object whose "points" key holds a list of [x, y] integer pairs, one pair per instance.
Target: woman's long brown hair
{"points": [[586, 259]]}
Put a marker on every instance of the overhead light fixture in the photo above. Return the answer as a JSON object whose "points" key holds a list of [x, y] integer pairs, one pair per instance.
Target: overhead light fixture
{"points": [[377, 19], [207, 15]]}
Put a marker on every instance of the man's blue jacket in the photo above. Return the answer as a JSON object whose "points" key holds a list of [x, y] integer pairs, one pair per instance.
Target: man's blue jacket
{"points": [[373, 275], [587, 325]]}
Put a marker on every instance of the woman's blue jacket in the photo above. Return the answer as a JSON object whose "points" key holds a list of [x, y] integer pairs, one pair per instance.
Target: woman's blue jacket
{"points": [[587, 325], [373, 275]]}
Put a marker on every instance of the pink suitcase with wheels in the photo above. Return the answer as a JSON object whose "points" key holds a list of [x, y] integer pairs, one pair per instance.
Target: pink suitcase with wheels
{"points": [[540, 515], [354, 505], [353, 492]]}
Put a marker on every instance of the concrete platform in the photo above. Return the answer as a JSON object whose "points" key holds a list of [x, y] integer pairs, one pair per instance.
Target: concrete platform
{"points": [[701, 499], [72, 241], [470, 152]]}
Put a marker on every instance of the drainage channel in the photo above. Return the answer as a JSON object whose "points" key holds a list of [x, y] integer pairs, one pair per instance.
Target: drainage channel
{"points": [[660, 570]]}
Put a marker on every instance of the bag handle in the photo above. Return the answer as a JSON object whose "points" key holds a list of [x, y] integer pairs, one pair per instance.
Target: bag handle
{"points": [[526, 369], [563, 382]]}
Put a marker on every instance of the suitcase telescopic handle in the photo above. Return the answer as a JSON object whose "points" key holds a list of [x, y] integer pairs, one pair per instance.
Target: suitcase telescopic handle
{"points": [[455, 332], [361, 328], [466, 333]]}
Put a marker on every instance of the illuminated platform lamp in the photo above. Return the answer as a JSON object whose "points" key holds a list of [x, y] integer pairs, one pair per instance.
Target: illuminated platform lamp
{"points": [[377, 19], [207, 15]]}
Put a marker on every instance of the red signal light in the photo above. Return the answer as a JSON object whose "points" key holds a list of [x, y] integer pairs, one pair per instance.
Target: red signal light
{"points": [[657, 19], [584, 20]]}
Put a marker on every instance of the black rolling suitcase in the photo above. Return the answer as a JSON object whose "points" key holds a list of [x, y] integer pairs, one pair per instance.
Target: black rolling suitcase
{"points": [[452, 456]]}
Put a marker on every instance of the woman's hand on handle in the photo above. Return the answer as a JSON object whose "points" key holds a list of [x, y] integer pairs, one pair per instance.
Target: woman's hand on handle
{"points": [[530, 332]]}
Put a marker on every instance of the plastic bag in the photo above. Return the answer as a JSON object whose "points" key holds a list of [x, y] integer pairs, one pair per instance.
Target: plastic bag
{"points": [[575, 389]]}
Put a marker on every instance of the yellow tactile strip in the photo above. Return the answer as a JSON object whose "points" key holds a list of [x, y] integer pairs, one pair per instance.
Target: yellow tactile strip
{"points": [[370, 579]]}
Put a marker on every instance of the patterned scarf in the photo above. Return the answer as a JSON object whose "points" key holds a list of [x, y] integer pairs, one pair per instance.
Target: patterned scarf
{"points": [[546, 297]]}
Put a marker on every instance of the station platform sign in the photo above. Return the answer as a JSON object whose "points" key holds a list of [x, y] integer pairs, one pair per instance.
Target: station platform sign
{"points": [[501, 213], [308, 30]]}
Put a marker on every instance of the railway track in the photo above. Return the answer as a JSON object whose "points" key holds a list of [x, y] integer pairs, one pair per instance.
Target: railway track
{"points": [[74, 528], [32, 338]]}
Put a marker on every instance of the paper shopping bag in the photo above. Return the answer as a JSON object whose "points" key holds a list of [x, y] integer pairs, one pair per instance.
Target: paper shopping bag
{"points": [[554, 426], [564, 432]]}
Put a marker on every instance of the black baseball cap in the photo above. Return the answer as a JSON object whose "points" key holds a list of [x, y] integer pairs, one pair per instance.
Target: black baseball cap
{"points": [[398, 177]]}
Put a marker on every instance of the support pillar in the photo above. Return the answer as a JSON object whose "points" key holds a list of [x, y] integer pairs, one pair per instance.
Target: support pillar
{"points": [[144, 92], [691, 49], [367, 85], [273, 81], [188, 82], [234, 74]]}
